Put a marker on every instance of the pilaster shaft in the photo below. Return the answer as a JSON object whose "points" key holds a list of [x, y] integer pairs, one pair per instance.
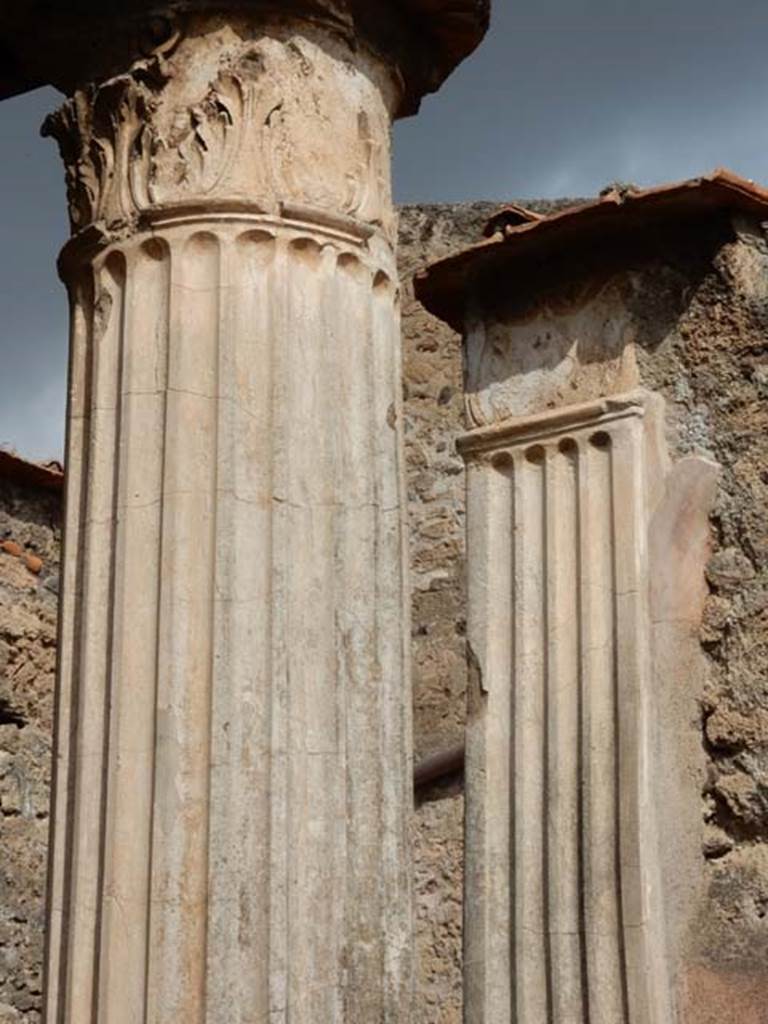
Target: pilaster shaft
{"points": [[233, 785], [563, 904]]}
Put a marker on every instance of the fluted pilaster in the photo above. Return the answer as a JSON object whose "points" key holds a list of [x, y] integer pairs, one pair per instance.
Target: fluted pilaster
{"points": [[563, 914]]}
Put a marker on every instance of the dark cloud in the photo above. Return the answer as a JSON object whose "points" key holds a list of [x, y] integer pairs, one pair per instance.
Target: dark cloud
{"points": [[33, 308], [564, 96]]}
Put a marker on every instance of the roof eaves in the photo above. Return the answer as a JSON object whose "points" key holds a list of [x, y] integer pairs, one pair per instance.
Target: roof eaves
{"points": [[46, 476], [442, 286]]}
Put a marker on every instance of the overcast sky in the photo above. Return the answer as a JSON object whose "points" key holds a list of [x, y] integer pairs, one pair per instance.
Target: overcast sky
{"points": [[563, 97]]}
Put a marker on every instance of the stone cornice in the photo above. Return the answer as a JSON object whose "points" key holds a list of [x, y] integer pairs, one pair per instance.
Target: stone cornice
{"points": [[552, 423]]}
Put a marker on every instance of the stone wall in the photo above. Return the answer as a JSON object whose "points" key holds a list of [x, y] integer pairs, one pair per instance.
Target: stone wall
{"points": [[706, 350], [29, 553]]}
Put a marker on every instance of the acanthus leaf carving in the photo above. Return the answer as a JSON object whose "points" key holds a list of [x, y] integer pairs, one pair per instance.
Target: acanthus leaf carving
{"points": [[118, 163], [197, 154], [100, 131], [268, 127]]}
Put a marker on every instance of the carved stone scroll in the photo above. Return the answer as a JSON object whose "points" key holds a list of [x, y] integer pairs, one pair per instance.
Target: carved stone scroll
{"points": [[563, 919]]}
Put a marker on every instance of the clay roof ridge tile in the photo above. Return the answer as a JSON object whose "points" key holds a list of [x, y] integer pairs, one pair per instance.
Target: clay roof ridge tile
{"points": [[511, 215]]}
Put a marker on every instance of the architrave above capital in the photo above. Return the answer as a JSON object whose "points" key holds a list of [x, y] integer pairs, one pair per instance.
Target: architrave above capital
{"points": [[66, 43]]}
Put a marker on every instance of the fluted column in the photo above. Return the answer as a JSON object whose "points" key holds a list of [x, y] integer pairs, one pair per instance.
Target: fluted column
{"points": [[563, 901], [232, 767]]}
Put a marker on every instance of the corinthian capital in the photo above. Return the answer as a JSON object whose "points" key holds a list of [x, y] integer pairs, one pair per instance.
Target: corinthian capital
{"points": [[264, 103]]}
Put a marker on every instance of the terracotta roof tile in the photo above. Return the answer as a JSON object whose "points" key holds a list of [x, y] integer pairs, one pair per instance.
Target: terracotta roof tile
{"points": [[617, 214], [47, 476], [510, 217]]}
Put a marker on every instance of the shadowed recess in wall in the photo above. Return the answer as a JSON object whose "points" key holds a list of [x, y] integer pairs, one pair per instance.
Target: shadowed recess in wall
{"points": [[9, 716]]}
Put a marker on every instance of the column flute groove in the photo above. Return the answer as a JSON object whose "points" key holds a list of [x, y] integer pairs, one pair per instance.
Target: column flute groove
{"points": [[279, 844], [120, 277], [491, 910], [548, 818], [94, 640], [164, 364], [621, 798]]}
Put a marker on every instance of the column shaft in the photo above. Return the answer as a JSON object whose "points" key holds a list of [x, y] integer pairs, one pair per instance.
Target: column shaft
{"points": [[233, 781]]}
